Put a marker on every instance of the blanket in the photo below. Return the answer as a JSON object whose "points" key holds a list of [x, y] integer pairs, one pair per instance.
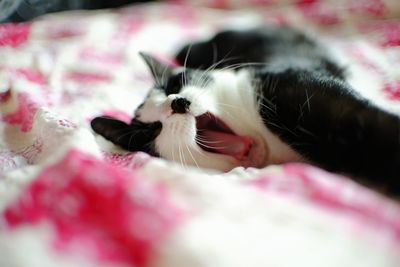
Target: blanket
{"points": [[70, 198]]}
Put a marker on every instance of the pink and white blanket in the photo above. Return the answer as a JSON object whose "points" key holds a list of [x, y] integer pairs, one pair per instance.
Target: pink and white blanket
{"points": [[68, 198]]}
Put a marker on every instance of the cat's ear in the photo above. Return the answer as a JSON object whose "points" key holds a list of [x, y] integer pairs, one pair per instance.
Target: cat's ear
{"points": [[160, 71], [113, 130], [136, 136]]}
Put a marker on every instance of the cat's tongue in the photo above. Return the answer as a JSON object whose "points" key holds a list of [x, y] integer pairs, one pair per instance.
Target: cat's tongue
{"points": [[226, 143]]}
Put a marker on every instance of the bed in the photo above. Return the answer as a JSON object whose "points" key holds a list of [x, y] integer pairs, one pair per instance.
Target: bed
{"points": [[69, 198]]}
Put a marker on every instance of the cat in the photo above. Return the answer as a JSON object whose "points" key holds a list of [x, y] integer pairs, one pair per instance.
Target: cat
{"points": [[258, 97]]}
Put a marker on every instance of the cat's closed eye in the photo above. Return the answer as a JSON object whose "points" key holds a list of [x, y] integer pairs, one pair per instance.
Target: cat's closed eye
{"points": [[175, 83]]}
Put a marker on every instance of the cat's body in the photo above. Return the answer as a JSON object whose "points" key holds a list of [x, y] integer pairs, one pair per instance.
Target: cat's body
{"points": [[260, 97]]}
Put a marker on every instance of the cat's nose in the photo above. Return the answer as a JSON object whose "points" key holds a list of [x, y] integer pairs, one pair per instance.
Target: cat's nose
{"points": [[180, 105]]}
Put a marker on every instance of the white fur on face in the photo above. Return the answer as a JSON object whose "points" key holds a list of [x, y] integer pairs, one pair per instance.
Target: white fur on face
{"points": [[230, 96]]}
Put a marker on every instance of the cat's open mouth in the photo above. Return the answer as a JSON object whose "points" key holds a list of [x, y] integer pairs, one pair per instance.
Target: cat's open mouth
{"points": [[213, 135]]}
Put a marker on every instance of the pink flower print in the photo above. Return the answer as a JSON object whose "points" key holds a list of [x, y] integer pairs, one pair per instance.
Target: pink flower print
{"points": [[14, 35], [373, 7], [7, 162], [391, 33], [32, 151], [5, 96], [321, 14], [334, 193], [66, 30], [31, 75], [132, 161], [111, 58], [392, 90], [24, 114], [87, 77], [118, 216]]}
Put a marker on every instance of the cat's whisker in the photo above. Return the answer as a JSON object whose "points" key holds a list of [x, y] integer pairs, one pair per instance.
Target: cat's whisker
{"points": [[210, 69], [240, 65], [283, 127], [308, 98], [301, 113], [227, 105], [214, 147], [182, 156], [173, 155], [184, 81], [223, 60], [211, 147], [304, 130], [207, 141], [179, 153], [271, 106], [191, 155], [163, 74], [202, 80], [275, 82], [199, 150], [156, 78], [266, 83], [268, 107], [226, 112], [214, 65]]}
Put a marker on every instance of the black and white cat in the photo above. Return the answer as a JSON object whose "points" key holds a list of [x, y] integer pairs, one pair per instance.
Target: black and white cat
{"points": [[259, 97]]}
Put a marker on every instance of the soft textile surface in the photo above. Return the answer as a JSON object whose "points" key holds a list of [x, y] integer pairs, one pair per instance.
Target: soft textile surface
{"points": [[69, 198]]}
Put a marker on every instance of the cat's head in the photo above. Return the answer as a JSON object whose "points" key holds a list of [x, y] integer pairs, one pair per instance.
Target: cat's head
{"points": [[193, 117]]}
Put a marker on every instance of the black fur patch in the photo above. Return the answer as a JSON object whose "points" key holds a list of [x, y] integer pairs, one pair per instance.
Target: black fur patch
{"points": [[136, 136]]}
